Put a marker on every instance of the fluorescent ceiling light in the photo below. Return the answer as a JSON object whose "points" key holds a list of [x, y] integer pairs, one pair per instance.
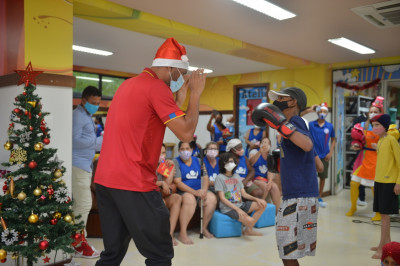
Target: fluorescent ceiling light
{"points": [[349, 44], [95, 79], [91, 50], [267, 8], [192, 68]]}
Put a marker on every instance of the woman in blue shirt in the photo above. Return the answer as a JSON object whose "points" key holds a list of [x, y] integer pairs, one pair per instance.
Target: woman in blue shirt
{"points": [[211, 163], [192, 186], [218, 130]]}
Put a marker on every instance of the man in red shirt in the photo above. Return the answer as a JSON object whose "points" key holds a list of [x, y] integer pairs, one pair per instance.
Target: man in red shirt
{"points": [[129, 201]]}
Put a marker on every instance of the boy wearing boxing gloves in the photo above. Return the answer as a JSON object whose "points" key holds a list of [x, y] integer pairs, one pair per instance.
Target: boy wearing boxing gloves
{"points": [[296, 222]]}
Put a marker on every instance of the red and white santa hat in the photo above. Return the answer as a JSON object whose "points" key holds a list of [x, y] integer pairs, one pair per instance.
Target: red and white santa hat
{"points": [[322, 106], [171, 54]]}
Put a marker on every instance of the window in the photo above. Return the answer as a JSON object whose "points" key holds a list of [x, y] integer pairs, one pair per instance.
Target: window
{"points": [[109, 86]]}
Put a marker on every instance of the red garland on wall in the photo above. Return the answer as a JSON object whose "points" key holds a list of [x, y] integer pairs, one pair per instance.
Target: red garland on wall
{"points": [[356, 87]]}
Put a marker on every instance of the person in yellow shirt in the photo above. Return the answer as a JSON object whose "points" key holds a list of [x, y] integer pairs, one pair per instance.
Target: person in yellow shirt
{"points": [[387, 178]]}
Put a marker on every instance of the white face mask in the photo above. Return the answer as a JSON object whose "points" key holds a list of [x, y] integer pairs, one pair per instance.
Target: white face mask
{"points": [[229, 166], [371, 115], [185, 155], [212, 153]]}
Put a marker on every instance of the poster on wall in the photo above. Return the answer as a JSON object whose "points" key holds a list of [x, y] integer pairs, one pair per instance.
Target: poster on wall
{"points": [[246, 99]]}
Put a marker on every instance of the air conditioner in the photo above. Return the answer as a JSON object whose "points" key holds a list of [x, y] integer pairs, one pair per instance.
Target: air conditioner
{"points": [[382, 15]]}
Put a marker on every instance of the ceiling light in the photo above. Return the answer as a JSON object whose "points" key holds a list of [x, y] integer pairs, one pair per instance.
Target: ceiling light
{"points": [[95, 79], [91, 50], [192, 68], [267, 8], [349, 44]]}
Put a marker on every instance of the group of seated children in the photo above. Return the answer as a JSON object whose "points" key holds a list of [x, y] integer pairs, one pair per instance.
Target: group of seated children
{"points": [[237, 184]]}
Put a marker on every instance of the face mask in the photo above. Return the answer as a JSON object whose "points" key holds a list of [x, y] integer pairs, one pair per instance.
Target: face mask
{"points": [[281, 105], [371, 115], [176, 85], [322, 116], [91, 108], [161, 159], [212, 153], [229, 166], [185, 155], [378, 130]]}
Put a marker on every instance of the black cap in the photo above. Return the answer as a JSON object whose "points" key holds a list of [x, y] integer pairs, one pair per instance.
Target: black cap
{"points": [[383, 119], [293, 92]]}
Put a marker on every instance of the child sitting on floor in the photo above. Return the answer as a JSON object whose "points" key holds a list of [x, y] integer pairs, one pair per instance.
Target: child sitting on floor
{"points": [[230, 191]]}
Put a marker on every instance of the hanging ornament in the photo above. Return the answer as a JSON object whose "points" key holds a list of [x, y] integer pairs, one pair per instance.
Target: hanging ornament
{"points": [[50, 191], [46, 140], [33, 218], [47, 260], [26, 136], [5, 188], [14, 256], [12, 186], [28, 75], [30, 128], [17, 110], [3, 223], [68, 218], [3, 254], [32, 164], [44, 244], [33, 103], [40, 114], [38, 146], [58, 173], [37, 192], [19, 155], [8, 146], [26, 112], [61, 195], [62, 182], [9, 237], [53, 221], [42, 198], [24, 93], [57, 215], [21, 196]]}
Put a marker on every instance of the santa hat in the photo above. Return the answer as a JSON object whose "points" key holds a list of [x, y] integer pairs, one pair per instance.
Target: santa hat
{"points": [[391, 249], [171, 54], [323, 106], [378, 102]]}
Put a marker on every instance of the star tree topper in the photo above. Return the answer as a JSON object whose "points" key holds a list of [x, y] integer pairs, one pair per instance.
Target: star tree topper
{"points": [[28, 75]]}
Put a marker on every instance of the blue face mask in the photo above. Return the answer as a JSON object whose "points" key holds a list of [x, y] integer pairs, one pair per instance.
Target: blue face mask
{"points": [[176, 85], [322, 116], [91, 108]]}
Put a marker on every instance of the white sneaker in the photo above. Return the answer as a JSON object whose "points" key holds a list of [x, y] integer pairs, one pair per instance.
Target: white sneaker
{"points": [[361, 203], [322, 203]]}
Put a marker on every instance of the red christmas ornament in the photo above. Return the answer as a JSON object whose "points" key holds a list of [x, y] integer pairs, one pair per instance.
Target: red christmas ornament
{"points": [[50, 191], [39, 114], [43, 128], [3, 260], [26, 112], [16, 99], [46, 141], [17, 110], [53, 221], [44, 244], [42, 198], [24, 93], [32, 165], [5, 188], [28, 75], [30, 128], [46, 260]]}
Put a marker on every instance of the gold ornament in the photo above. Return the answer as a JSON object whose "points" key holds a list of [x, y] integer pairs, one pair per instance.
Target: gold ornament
{"points": [[33, 103], [3, 254], [33, 218], [68, 218], [62, 182], [58, 173], [37, 192], [57, 215], [14, 256], [3, 223], [21, 196], [8, 146], [38, 146], [12, 186], [19, 155]]}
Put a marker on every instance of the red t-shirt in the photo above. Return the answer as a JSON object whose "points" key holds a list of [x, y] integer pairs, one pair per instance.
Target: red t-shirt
{"points": [[134, 133]]}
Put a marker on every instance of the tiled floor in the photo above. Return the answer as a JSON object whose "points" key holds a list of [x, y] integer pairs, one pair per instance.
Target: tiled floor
{"points": [[340, 242]]}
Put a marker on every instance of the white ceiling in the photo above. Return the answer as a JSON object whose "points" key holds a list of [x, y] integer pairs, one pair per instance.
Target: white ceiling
{"points": [[304, 36]]}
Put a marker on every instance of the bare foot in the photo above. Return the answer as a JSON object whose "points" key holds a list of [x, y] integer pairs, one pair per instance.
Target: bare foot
{"points": [[207, 234], [185, 240], [377, 255], [174, 242], [374, 248], [251, 232]]}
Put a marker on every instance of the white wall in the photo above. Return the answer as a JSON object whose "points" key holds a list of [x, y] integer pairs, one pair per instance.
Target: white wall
{"points": [[58, 102]]}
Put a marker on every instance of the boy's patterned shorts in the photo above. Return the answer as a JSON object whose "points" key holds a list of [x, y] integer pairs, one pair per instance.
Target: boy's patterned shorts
{"points": [[296, 228]]}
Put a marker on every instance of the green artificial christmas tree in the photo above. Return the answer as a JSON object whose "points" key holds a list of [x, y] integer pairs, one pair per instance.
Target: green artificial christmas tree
{"points": [[36, 209]]}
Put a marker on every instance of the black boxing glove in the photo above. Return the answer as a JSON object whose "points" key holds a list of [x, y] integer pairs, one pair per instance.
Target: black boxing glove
{"points": [[266, 113]]}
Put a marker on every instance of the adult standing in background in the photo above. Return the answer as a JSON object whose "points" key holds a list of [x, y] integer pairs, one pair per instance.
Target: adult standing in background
{"points": [[85, 143], [323, 135], [130, 204]]}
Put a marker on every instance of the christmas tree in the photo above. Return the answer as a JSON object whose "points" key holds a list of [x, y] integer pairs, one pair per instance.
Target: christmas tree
{"points": [[35, 210]]}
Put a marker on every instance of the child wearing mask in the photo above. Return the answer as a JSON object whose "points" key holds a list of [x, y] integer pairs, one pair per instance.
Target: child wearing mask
{"points": [[211, 163], [387, 178], [231, 193]]}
